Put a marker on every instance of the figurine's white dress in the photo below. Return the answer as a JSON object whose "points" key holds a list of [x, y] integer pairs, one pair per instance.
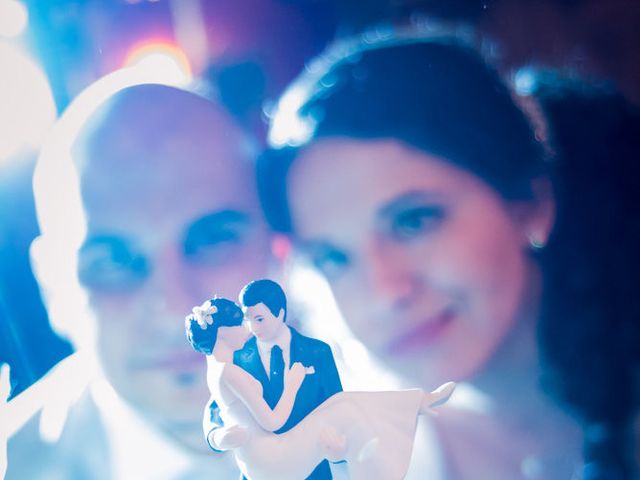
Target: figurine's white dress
{"points": [[379, 428]]}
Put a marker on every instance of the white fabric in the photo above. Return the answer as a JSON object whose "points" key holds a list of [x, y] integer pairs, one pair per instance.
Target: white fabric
{"points": [[379, 428]]}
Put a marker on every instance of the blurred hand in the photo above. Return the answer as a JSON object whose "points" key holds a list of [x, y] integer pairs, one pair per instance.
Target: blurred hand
{"points": [[53, 395]]}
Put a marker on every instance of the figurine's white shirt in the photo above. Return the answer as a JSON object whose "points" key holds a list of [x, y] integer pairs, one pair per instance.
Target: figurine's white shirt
{"points": [[283, 341]]}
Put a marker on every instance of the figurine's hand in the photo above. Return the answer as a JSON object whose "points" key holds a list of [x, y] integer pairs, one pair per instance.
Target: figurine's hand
{"points": [[294, 377], [228, 438], [437, 397]]}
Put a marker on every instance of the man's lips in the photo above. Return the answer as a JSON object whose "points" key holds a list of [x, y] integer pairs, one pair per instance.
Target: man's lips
{"points": [[424, 334]]}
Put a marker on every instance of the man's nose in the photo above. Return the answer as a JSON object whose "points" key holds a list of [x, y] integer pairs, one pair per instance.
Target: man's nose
{"points": [[169, 283]]}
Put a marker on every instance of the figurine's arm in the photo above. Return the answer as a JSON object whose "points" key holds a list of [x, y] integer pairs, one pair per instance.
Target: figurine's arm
{"points": [[211, 423], [219, 436], [249, 390], [228, 438]]}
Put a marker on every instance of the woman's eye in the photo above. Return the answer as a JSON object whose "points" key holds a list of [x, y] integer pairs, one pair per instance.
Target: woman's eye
{"points": [[416, 221], [330, 261]]}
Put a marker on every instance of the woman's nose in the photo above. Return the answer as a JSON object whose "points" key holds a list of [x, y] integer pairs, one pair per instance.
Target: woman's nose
{"points": [[391, 275]]}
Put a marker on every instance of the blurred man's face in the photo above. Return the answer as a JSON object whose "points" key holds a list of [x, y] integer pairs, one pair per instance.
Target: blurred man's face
{"points": [[172, 219]]}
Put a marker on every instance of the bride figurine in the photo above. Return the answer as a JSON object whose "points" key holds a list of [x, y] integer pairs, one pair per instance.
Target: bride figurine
{"points": [[372, 431]]}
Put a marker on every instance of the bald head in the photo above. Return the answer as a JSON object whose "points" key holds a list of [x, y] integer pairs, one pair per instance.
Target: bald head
{"points": [[156, 120], [157, 147]]}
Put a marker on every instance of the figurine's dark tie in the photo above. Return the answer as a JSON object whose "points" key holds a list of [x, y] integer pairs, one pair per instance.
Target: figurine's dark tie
{"points": [[276, 375]]}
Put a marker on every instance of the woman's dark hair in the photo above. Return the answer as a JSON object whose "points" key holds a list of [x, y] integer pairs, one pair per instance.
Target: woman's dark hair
{"points": [[436, 95], [228, 315], [264, 291], [590, 323]]}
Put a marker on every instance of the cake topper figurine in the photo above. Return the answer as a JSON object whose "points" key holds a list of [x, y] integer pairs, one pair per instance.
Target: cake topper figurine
{"points": [[279, 398]]}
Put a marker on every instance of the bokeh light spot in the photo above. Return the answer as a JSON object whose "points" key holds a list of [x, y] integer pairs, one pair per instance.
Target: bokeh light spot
{"points": [[28, 109], [13, 18]]}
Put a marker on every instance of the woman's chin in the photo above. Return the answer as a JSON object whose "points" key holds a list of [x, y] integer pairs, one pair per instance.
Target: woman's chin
{"points": [[428, 369]]}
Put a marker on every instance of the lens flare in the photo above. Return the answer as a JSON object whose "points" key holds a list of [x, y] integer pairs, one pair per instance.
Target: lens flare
{"points": [[162, 60]]}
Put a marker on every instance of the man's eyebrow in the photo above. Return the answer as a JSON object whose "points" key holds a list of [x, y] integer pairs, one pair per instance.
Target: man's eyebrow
{"points": [[220, 218]]}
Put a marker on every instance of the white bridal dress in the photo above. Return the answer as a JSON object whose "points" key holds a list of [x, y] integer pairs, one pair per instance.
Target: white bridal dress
{"points": [[379, 428]]}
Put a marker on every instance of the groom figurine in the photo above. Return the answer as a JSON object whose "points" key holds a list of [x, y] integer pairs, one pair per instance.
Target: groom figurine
{"points": [[274, 347]]}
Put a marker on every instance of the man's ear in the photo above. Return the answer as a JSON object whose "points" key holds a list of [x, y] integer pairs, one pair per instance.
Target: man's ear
{"points": [[51, 263], [54, 268], [44, 261], [280, 315], [537, 217]]}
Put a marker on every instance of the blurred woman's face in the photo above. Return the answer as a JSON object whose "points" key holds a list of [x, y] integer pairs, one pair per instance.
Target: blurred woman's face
{"points": [[427, 262]]}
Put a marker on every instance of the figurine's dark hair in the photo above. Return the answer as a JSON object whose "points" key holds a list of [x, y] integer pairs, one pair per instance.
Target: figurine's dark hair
{"points": [[203, 340], [267, 292], [436, 95]]}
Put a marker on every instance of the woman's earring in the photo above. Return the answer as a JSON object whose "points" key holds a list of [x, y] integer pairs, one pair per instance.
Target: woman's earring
{"points": [[536, 243]]}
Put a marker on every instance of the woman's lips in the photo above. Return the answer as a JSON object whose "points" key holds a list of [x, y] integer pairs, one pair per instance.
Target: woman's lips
{"points": [[424, 334]]}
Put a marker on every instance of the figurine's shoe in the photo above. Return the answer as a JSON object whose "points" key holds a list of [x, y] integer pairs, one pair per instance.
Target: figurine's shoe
{"points": [[439, 396], [333, 444]]}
